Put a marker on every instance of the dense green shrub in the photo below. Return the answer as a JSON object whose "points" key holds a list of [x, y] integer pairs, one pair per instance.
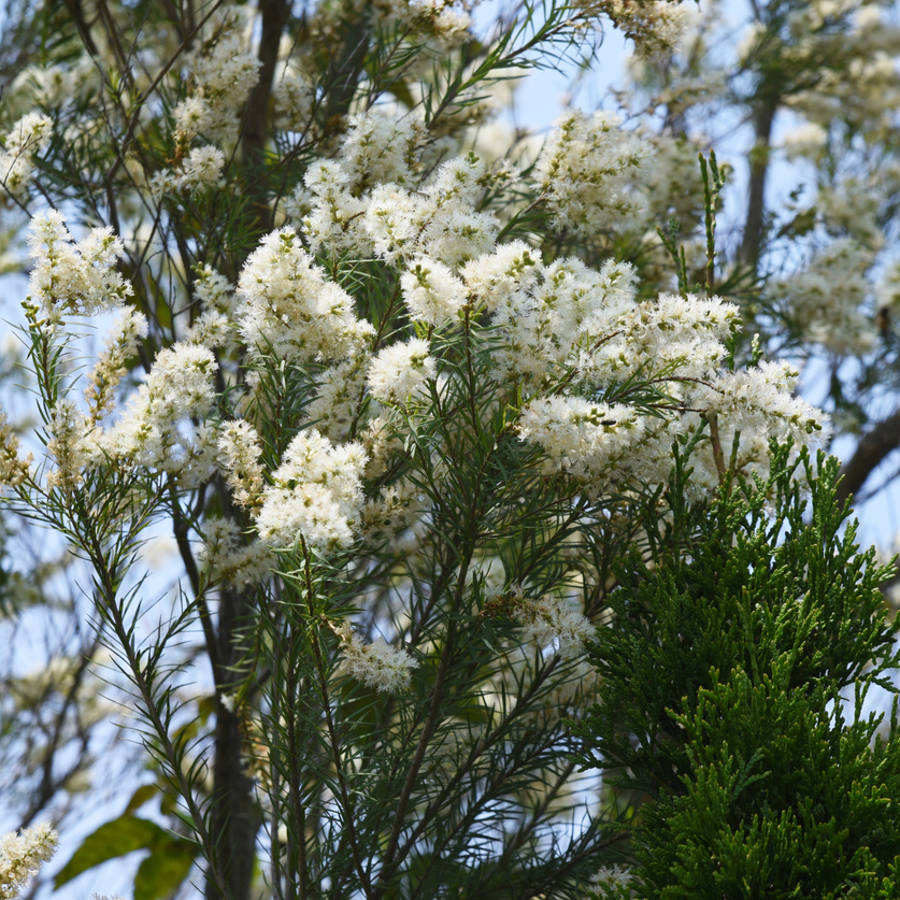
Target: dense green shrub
{"points": [[745, 637]]}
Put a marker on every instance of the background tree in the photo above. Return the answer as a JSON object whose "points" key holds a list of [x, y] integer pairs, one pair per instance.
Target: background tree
{"points": [[811, 256]]}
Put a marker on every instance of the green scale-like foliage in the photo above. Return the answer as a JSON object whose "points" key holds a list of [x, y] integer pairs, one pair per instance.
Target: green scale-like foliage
{"points": [[745, 635]]}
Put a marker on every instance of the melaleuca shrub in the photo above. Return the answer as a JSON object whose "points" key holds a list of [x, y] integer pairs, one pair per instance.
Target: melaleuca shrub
{"points": [[743, 639], [401, 403]]}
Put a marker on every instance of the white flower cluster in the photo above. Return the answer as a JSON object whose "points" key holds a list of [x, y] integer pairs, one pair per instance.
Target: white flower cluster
{"points": [[400, 372], [213, 290], [231, 560], [447, 26], [381, 147], [79, 277], [157, 427], [502, 277], [763, 392], [327, 207], [339, 393], [316, 494], [395, 515], [675, 341], [121, 345], [432, 27], [29, 136], [155, 430], [554, 622], [588, 440], [654, 25], [437, 220], [67, 430], [658, 336], [548, 316], [433, 294], [758, 404], [586, 173], [222, 72], [200, 170], [21, 855], [827, 298], [239, 459], [377, 665], [290, 310], [293, 98], [14, 469], [211, 328]]}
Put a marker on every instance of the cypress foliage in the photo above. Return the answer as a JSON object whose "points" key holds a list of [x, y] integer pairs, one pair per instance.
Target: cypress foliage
{"points": [[745, 637]]}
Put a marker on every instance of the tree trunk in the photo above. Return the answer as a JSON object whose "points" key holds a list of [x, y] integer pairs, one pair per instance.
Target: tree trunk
{"points": [[234, 818], [751, 245], [255, 130]]}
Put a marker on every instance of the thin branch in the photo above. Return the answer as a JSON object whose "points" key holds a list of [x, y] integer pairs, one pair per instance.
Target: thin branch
{"points": [[873, 447]]}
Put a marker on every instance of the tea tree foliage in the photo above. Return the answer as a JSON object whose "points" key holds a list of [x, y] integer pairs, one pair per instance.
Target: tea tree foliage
{"points": [[404, 388]]}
